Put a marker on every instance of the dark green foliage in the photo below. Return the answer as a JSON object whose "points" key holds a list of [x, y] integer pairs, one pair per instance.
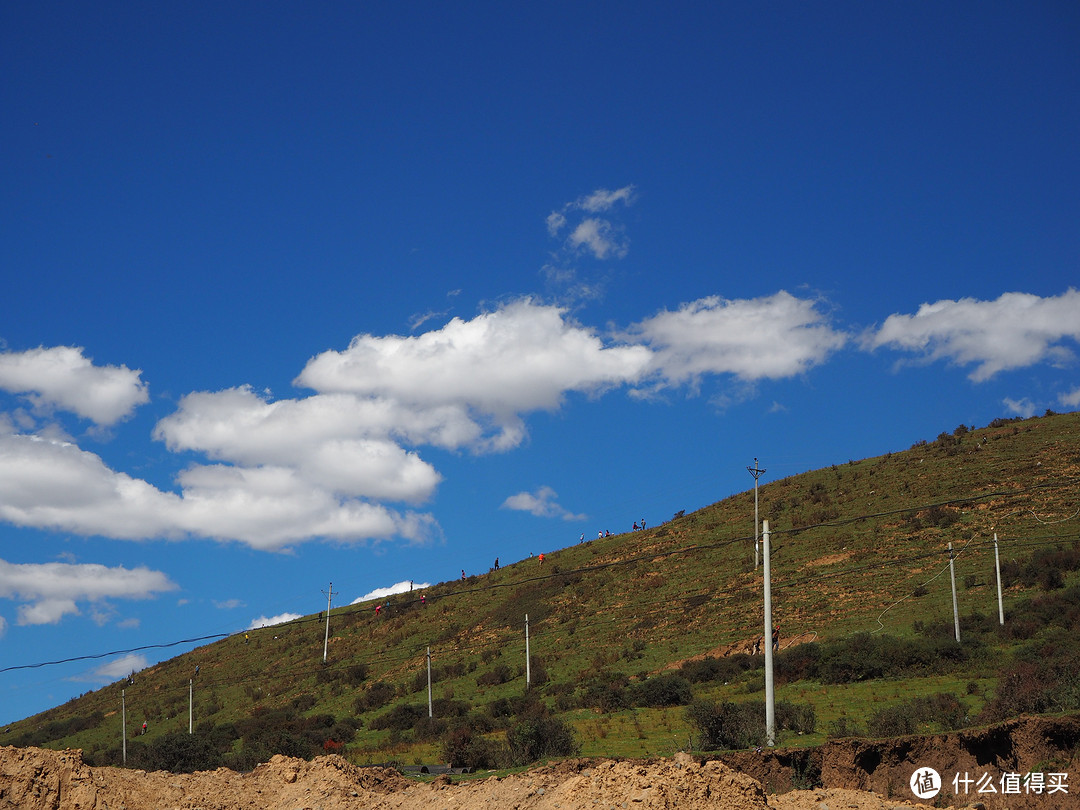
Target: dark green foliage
{"points": [[892, 721], [844, 727], [661, 690], [727, 725], [464, 746], [537, 736], [179, 752], [605, 691], [944, 710], [720, 669], [58, 729], [864, 657], [1043, 677], [797, 717], [1045, 568], [400, 718], [376, 696], [501, 673]]}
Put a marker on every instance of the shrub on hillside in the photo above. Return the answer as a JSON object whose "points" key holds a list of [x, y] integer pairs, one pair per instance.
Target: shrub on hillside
{"points": [[400, 718], [720, 669], [375, 696], [727, 725], [661, 690], [538, 737], [605, 691], [1043, 677], [493, 677], [465, 746], [177, 752], [892, 721], [797, 717]]}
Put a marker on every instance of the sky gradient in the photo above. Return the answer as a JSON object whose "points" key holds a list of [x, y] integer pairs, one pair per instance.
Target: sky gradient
{"points": [[296, 294]]}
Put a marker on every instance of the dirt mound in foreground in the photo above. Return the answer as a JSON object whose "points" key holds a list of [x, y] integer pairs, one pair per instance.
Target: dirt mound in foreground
{"points": [[39, 779]]}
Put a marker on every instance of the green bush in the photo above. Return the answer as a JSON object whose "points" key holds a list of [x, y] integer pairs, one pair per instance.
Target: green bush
{"points": [[464, 746], [892, 721], [538, 737], [727, 725], [797, 717], [659, 691]]}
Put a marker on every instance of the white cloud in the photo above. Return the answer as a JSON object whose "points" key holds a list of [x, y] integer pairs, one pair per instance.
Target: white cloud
{"points": [[281, 618], [599, 237], [398, 587], [61, 377], [1070, 399], [485, 372], [596, 234], [1014, 331], [603, 200], [762, 338], [51, 591], [3, 626], [1021, 407], [542, 503], [339, 442], [114, 670], [55, 485], [228, 604]]}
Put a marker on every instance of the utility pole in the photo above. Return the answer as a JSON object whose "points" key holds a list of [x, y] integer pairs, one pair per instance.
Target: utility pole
{"points": [[757, 472], [123, 723], [955, 610], [190, 697], [528, 671], [770, 693], [326, 639], [429, 682], [997, 569]]}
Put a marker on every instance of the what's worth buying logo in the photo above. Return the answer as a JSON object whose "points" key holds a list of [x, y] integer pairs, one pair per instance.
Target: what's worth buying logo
{"points": [[925, 783]]}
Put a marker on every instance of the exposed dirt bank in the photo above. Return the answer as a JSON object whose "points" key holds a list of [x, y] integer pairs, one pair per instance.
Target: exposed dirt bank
{"points": [[37, 779], [858, 774]]}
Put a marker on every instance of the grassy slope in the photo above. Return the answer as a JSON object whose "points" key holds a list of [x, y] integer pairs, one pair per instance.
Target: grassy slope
{"points": [[847, 554]]}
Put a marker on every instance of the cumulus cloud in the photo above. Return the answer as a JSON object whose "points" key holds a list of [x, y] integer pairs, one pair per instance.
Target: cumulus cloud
{"points": [[761, 338], [281, 618], [398, 587], [339, 442], [1070, 399], [484, 372], [51, 591], [62, 377], [1014, 331], [114, 670], [53, 484], [542, 503], [50, 484]]}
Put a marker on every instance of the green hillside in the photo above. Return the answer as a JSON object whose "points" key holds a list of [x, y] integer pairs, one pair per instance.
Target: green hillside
{"points": [[623, 630]]}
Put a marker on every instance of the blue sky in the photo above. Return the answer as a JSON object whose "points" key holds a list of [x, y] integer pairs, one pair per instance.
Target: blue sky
{"points": [[296, 293]]}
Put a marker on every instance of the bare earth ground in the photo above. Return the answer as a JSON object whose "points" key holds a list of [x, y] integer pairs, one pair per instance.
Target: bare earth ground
{"points": [[37, 779], [861, 775]]}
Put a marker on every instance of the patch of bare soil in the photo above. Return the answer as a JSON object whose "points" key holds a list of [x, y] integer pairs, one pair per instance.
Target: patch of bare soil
{"points": [[37, 779], [857, 774]]}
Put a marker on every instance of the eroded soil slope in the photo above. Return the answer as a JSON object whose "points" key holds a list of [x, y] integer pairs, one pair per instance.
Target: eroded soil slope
{"points": [[37, 779]]}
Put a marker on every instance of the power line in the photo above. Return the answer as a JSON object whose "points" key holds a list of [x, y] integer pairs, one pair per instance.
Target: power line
{"points": [[649, 556]]}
